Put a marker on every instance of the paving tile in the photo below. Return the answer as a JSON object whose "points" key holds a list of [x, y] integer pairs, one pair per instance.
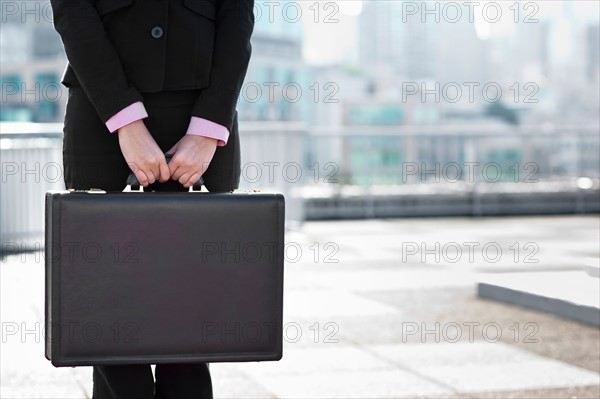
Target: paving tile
{"points": [[228, 382], [388, 280], [592, 392], [238, 388], [296, 280], [320, 303], [353, 384], [311, 333], [54, 384], [483, 366], [316, 360], [343, 228], [83, 376]]}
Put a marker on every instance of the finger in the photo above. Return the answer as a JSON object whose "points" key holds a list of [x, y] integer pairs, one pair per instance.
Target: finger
{"points": [[155, 168], [141, 177], [204, 167], [184, 179], [193, 180], [133, 166], [150, 175], [173, 149], [164, 171], [175, 169], [173, 164]]}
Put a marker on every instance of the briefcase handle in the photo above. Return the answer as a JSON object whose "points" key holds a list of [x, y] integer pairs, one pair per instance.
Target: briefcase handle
{"points": [[134, 185]]}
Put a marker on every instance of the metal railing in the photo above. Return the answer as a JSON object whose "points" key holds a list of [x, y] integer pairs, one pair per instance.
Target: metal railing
{"points": [[474, 153], [452, 170], [31, 162]]}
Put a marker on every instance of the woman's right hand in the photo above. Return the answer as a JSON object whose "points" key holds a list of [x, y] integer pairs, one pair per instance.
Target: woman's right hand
{"points": [[143, 155]]}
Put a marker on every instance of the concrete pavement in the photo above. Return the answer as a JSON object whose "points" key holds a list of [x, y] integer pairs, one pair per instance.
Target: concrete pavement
{"points": [[381, 308]]}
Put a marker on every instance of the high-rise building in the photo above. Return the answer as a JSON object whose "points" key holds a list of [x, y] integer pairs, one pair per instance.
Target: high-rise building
{"points": [[277, 85], [32, 62], [461, 55], [593, 53], [388, 37]]}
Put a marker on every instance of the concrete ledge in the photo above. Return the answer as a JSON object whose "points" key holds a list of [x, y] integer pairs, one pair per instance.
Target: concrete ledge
{"points": [[415, 201], [571, 294], [592, 267]]}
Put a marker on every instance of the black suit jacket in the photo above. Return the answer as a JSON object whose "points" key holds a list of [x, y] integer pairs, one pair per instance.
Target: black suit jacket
{"points": [[118, 49]]}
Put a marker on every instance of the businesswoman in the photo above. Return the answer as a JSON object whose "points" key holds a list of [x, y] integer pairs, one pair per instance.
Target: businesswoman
{"points": [[146, 78]]}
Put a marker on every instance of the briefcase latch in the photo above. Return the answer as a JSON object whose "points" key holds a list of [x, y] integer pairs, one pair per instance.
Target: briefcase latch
{"points": [[96, 191], [128, 189], [239, 191]]}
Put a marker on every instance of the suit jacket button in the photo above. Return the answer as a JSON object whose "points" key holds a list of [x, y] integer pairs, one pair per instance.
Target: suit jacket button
{"points": [[157, 32]]}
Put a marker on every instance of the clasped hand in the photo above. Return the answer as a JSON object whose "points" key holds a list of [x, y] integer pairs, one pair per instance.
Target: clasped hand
{"points": [[191, 156]]}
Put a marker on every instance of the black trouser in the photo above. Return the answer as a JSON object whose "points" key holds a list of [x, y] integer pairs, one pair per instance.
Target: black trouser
{"points": [[173, 381], [92, 158]]}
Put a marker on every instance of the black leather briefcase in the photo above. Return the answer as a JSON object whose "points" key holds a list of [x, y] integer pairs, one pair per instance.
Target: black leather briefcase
{"points": [[163, 277]]}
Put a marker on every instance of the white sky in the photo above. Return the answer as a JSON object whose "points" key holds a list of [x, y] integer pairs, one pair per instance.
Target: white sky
{"points": [[331, 42]]}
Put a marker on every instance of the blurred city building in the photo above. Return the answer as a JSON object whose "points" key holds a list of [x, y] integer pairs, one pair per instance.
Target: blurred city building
{"points": [[405, 44], [32, 61], [278, 79]]}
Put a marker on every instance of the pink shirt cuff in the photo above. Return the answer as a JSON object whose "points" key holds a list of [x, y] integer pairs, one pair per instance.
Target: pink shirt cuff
{"points": [[132, 113], [206, 128]]}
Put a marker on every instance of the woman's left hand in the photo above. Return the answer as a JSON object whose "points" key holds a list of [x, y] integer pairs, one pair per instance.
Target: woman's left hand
{"points": [[191, 156]]}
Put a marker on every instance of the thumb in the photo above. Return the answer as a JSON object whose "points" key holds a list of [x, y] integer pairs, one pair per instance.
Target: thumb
{"points": [[171, 167], [173, 149]]}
